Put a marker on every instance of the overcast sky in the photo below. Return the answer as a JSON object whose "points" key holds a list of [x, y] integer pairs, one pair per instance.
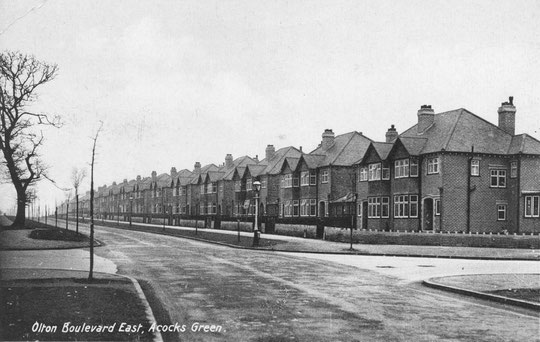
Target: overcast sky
{"points": [[177, 82]]}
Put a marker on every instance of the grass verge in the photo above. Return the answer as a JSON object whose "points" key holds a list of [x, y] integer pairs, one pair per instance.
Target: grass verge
{"points": [[530, 295], [244, 241], [40, 309]]}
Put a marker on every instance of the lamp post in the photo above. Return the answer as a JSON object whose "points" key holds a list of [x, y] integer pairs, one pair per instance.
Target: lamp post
{"points": [[130, 208], [257, 187]]}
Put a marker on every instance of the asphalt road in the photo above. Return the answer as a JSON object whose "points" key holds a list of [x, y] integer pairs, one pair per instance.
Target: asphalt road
{"points": [[267, 296]]}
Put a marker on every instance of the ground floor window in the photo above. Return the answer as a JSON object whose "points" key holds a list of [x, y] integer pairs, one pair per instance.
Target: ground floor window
{"points": [[532, 206], [501, 212], [406, 206], [437, 208], [374, 207]]}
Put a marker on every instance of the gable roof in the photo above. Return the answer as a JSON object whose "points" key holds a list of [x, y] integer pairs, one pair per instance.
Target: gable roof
{"points": [[381, 149], [214, 176], [256, 170], [312, 160], [240, 161], [459, 130], [274, 164], [346, 150]]}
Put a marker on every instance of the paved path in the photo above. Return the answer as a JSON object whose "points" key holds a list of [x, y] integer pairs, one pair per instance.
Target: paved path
{"points": [[319, 246]]}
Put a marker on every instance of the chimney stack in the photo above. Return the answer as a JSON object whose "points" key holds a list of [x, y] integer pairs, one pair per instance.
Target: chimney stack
{"points": [[426, 117], [391, 134], [327, 139], [138, 178], [270, 152], [197, 168], [154, 176], [229, 161], [507, 116]]}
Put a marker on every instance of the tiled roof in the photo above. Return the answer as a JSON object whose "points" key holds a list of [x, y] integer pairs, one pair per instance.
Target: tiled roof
{"points": [[459, 130], [256, 170], [275, 163], [292, 162], [184, 180], [524, 143], [241, 161], [382, 149], [413, 145], [163, 180], [145, 183], [214, 176], [313, 161], [346, 150]]}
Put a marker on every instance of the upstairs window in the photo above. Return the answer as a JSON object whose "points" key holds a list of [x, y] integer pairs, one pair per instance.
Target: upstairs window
{"points": [[295, 181], [214, 187], [374, 172], [363, 174], [249, 184], [414, 167], [513, 169], [264, 184], [286, 181], [237, 186], [312, 178], [324, 176], [475, 167], [432, 165], [386, 173], [304, 178], [401, 168], [498, 179]]}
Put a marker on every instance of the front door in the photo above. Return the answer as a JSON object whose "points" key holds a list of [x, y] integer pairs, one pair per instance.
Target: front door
{"points": [[428, 214]]}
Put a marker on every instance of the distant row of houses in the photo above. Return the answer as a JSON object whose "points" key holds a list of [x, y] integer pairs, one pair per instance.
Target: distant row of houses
{"points": [[451, 171]]}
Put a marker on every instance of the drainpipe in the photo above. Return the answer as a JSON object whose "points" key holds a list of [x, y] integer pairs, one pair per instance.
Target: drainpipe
{"points": [[420, 198], [518, 193], [469, 163]]}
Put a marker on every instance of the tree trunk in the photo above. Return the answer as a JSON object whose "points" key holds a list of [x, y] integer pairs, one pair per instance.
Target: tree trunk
{"points": [[21, 209], [77, 200]]}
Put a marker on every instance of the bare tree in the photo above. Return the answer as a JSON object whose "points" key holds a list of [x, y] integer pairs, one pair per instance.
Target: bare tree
{"points": [[20, 75], [77, 176], [91, 273]]}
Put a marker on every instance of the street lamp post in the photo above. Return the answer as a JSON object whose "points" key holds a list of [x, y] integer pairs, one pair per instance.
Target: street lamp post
{"points": [[257, 187], [130, 209]]}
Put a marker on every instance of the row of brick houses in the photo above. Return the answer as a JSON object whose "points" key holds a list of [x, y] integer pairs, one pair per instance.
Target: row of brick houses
{"points": [[451, 171]]}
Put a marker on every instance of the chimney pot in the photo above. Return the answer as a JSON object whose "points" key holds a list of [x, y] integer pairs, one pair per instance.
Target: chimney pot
{"points": [[229, 161], [270, 152], [391, 134], [507, 116], [426, 117], [327, 139]]}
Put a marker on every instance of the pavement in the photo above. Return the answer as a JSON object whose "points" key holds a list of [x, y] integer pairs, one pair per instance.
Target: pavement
{"points": [[77, 260]]}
